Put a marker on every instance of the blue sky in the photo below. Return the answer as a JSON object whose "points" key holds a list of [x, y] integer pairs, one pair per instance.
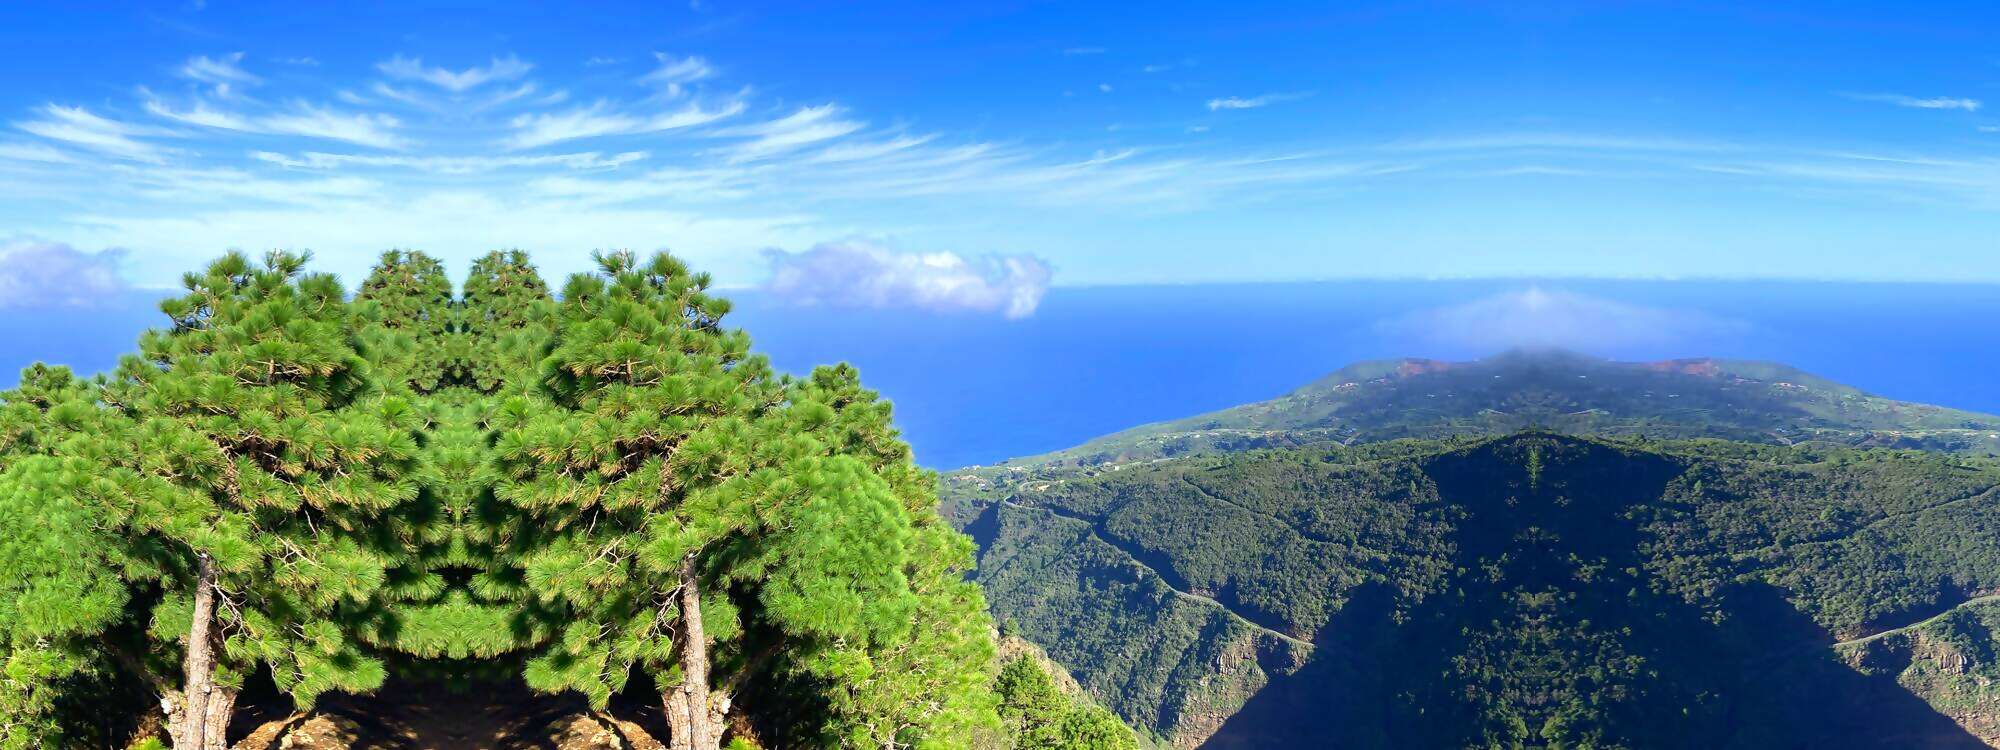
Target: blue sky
{"points": [[952, 157]]}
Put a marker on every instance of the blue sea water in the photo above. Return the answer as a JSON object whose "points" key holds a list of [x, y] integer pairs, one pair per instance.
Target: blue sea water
{"points": [[975, 388]]}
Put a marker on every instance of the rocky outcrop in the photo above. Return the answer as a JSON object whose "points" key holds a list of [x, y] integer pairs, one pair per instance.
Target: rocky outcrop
{"points": [[484, 718]]}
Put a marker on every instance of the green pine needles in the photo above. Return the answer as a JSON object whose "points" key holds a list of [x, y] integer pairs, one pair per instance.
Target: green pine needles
{"points": [[591, 492]]}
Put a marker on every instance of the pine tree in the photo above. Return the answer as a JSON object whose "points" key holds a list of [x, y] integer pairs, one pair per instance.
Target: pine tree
{"points": [[707, 518], [506, 313], [250, 460], [409, 328], [607, 486], [1039, 715], [456, 594], [61, 586], [651, 402], [927, 684]]}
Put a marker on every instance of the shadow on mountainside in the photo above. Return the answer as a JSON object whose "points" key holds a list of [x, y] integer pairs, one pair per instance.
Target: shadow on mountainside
{"points": [[1550, 634]]}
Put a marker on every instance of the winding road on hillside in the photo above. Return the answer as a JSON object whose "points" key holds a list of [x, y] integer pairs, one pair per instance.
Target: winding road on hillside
{"points": [[1097, 532], [1918, 624]]}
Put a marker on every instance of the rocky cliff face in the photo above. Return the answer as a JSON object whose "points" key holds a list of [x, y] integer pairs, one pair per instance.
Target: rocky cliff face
{"points": [[484, 717], [1952, 662]]}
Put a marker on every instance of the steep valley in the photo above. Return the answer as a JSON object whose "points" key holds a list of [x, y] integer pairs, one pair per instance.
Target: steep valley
{"points": [[1531, 588]]}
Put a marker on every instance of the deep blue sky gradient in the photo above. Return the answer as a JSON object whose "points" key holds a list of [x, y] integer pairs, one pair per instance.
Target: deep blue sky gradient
{"points": [[1396, 139]]}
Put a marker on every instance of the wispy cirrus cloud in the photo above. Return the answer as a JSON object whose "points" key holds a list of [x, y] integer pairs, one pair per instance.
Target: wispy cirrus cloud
{"points": [[1962, 104], [1253, 102], [374, 130], [222, 72], [456, 158], [456, 81], [808, 125], [34, 153], [647, 151], [597, 120], [80, 127], [452, 165], [1563, 141], [674, 73]]}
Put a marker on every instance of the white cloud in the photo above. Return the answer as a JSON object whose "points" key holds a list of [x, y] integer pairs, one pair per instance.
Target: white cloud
{"points": [[1560, 141], [1535, 318], [451, 164], [413, 69], [807, 126], [851, 152], [536, 130], [301, 61], [222, 71], [404, 96], [78, 126], [815, 155], [601, 60], [200, 114], [675, 72], [33, 152], [864, 274], [791, 177], [1237, 102], [373, 130], [39, 273], [1935, 102], [543, 129]]}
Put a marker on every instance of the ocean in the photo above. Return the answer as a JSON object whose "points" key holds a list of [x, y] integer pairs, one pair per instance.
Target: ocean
{"points": [[975, 388]]}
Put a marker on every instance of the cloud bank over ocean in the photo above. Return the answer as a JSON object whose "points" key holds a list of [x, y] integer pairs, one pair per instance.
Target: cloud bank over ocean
{"points": [[863, 274], [38, 273], [1538, 318]]}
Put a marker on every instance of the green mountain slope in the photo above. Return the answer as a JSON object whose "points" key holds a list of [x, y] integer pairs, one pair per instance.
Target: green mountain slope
{"points": [[1556, 391], [1534, 589]]}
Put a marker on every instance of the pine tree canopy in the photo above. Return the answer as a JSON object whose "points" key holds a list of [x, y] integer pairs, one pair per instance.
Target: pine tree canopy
{"points": [[589, 492]]}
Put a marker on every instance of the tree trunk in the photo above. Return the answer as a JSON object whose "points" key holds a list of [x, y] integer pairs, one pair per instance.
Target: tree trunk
{"points": [[680, 724], [189, 729], [694, 712], [221, 705]]}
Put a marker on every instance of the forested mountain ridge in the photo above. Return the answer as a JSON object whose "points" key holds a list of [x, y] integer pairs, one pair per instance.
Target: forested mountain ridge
{"points": [[1551, 390], [1532, 589], [290, 496]]}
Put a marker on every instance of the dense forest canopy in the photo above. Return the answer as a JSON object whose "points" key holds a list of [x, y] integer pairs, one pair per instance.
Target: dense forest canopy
{"points": [[1526, 590], [1585, 552], [594, 492]]}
